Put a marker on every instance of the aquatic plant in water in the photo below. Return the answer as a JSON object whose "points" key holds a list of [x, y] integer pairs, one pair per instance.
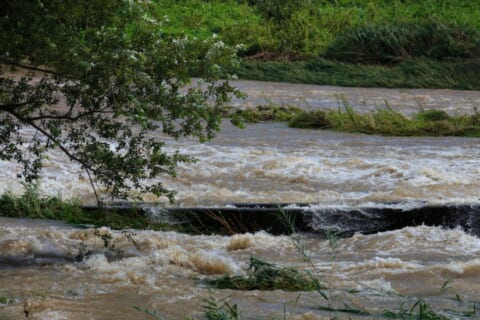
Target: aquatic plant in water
{"points": [[268, 276], [389, 122]]}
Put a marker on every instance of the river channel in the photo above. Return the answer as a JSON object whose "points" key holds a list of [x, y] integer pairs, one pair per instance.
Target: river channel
{"points": [[47, 275]]}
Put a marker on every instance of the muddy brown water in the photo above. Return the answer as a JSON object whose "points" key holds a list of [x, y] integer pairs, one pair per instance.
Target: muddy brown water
{"points": [[45, 270], [163, 272]]}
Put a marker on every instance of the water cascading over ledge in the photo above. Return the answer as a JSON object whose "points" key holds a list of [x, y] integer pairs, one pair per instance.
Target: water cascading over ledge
{"points": [[301, 217]]}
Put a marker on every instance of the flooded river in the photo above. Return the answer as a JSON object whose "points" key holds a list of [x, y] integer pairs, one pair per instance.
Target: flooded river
{"points": [[54, 271], [162, 271]]}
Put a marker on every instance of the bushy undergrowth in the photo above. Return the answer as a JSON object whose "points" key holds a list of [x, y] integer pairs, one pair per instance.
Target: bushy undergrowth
{"points": [[233, 22], [298, 36], [393, 43], [417, 73], [303, 27]]}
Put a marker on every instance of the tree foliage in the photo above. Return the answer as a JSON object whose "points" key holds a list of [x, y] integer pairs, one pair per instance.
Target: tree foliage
{"points": [[101, 82]]}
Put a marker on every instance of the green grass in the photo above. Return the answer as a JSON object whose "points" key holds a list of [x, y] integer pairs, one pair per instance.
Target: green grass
{"points": [[382, 121], [424, 44], [395, 42], [416, 73], [213, 309], [420, 310], [300, 27], [232, 22], [390, 123], [35, 206], [220, 310], [4, 300]]}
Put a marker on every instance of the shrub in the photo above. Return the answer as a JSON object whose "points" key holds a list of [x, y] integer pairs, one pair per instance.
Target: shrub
{"points": [[268, 112], [393, 43], [279, 10], [432, 115], [267, 276], [314, 119]]}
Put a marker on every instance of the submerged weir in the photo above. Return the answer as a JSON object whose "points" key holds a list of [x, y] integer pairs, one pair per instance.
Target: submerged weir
{"points": [[343, 221]]}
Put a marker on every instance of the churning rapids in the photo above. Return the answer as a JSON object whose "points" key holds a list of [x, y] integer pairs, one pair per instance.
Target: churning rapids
{"points": [[47, 275]]}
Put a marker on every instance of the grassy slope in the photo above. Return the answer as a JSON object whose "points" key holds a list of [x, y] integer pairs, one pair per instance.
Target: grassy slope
{"points": [[298, 43]]}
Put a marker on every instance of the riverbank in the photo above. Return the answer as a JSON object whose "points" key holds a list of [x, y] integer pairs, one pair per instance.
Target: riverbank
{"points": [[399, 44], [417, 73]]}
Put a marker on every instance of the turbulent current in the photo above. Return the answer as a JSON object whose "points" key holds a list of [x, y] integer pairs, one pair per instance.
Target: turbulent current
{"points": [[45, 270], [54, 271]]}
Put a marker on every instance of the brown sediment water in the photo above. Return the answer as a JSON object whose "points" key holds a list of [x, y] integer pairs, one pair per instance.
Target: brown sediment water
{"points": [[54, 271], [41, 270]]}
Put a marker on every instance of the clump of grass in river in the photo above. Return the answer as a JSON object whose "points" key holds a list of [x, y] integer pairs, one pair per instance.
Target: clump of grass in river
{"points": [[151, 313], [33, 205], [389, 122], [220, 310], [268, 276], [421, 310]]}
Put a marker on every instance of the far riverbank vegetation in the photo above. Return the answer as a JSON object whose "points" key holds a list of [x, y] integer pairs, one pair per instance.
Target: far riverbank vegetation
{"points": [[383, 121], [398, 43]]}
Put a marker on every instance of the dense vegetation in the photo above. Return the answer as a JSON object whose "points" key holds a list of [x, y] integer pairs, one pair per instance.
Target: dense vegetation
{"points": [[308, 27], [396, 43], [94, 80]]}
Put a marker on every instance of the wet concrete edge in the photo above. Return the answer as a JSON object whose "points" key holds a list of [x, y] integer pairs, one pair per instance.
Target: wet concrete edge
{"points": [[286, 219]]}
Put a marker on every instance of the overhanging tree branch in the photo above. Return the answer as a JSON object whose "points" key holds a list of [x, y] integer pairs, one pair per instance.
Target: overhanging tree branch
{"points": [[108, 79], [85, 165], [26, 66]]}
